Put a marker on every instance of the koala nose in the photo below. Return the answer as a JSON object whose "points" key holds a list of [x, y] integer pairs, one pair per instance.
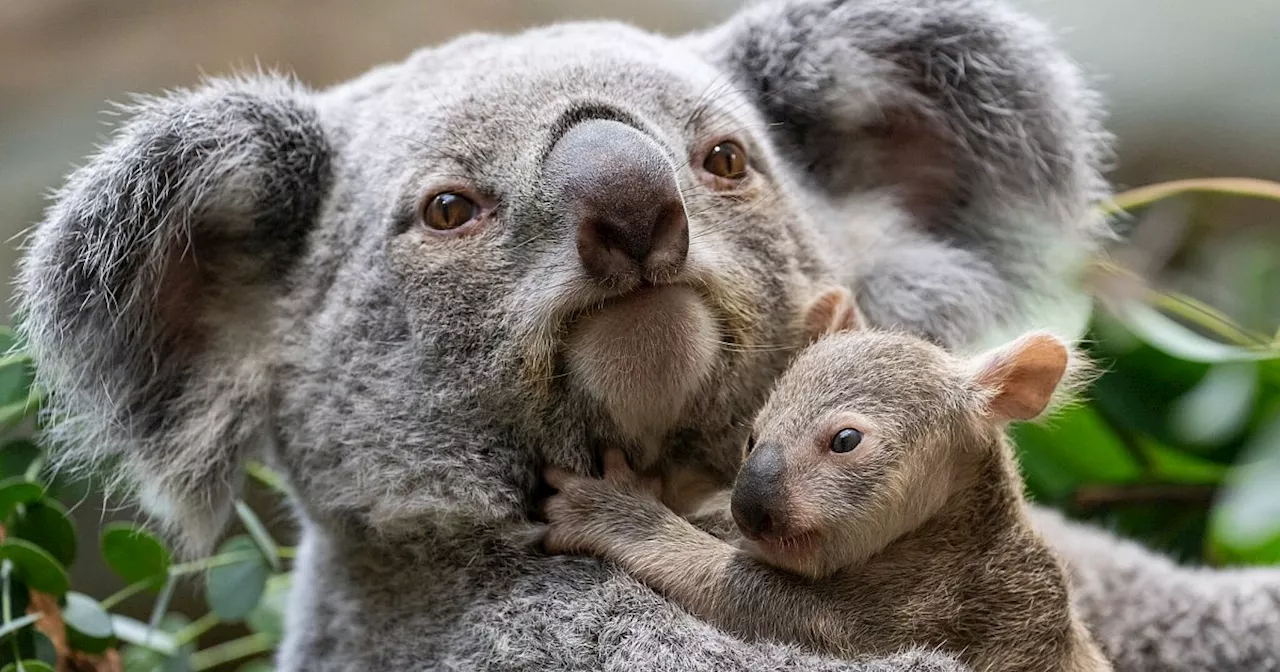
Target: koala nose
{"points": [[620, 192], [757, 503]]}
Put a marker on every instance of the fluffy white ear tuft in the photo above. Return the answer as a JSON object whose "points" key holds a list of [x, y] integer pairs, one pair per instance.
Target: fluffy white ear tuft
{"points": [[1021, 378], [832, 312]]}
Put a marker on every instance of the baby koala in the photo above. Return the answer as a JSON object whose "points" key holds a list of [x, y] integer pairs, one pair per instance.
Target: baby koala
{"points": [[880, 507]]}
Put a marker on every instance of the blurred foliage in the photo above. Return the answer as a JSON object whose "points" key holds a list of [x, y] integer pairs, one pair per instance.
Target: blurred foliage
{"points": [[1177, 443], [45, 625]]}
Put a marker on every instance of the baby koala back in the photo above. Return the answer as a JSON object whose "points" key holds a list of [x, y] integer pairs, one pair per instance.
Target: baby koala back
{"points": [[879, 468]]}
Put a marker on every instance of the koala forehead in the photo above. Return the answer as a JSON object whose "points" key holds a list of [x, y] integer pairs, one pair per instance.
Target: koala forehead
{"points": [[486, 100], [900, 383]]}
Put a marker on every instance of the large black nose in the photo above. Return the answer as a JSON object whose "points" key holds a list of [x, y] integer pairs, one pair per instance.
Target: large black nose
{"points": [[758, 495], [619, 190]]}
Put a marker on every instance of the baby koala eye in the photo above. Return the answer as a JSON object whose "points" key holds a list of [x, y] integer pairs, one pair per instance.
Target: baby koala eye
{"points": [[448, 211], [728, 160], [845, 440]]}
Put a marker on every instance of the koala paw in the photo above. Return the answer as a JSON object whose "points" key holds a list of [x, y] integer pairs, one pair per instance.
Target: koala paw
{"points": [[594, 516]]}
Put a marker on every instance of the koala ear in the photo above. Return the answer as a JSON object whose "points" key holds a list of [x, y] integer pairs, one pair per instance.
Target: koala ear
{"points": [[959, 122], [150, 289], [1020, 379], [937, 100], [833, 311]]}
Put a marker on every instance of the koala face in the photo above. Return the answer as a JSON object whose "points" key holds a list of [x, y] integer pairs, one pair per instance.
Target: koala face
{"points": [[629, 281], [412, 290], [862, 441]]}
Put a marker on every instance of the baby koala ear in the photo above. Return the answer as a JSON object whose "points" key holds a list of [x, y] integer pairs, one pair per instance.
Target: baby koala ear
{"points": [[833, 311], [1022, 377]]}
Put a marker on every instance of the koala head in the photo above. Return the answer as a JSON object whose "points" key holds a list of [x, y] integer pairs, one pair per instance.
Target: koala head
{"points": [[869, 435], [412, 289]]}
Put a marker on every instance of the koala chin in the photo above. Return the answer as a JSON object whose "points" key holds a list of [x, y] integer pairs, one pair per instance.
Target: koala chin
{"points": [[644, 355]]}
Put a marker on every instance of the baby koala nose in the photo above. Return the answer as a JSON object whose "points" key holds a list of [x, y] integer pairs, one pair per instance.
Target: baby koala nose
{"points": [[757, 502], [620, 192]]}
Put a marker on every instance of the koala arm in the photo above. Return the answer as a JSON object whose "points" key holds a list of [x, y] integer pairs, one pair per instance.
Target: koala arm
{"points": [[1148, 613], [615, 519]]}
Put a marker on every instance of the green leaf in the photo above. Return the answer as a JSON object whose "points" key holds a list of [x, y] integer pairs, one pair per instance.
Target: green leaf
{"points": [[17, 456], [88, 624], [45, 523], [260, 665], [16, 491], [1071, 449], [42, 648], [1171, 337], [35, 567], [1247, 516], [268, 616], [135, 554], [28, 666], [252, 524], [1218, 408], [233, 590], [16, 376]]}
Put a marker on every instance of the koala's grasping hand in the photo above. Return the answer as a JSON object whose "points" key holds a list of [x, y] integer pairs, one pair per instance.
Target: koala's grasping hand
{"points": [[881, 509], [585, 512]]}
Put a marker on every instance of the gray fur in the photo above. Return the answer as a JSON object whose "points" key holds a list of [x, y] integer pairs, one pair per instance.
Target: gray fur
{"points": [[239, 271]]}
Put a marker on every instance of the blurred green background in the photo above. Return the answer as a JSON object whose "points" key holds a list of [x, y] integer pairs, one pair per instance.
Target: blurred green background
{"points": [[1177, 443]]}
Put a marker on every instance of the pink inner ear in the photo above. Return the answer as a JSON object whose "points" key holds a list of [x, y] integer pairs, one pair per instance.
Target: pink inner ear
{"points": [[1024, 376], [832, 312], [918, 162], [179, 301]]}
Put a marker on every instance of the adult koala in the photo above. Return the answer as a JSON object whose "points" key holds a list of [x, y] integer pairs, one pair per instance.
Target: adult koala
{"points": [[412, 291]]}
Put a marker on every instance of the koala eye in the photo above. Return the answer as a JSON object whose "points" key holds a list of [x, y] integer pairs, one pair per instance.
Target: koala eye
{"points": [[728, 160], [751, 443], [845, 440], [448, 211]]}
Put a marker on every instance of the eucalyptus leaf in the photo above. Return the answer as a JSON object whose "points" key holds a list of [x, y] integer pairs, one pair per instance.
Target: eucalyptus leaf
{"points": [[16, 491], [1179, 341], [30, 665], [89, 626], [1074, 448], [1248, 513], [17, 456], [1218, 408], [35, 567], [233, 590], [135, 554], [46, 524], [268, 616]]}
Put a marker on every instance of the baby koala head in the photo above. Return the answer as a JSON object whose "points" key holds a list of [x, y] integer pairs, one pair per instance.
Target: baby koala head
{"points": [[869, 433]]}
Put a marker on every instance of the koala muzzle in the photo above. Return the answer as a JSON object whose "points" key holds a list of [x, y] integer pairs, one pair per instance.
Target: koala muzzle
{"points": [[758, 493], [619, 189]]}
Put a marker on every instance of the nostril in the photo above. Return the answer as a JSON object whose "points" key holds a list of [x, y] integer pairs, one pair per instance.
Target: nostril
{"points": [[670, 240], [764, 524], [608, 249], [753, 519]]}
